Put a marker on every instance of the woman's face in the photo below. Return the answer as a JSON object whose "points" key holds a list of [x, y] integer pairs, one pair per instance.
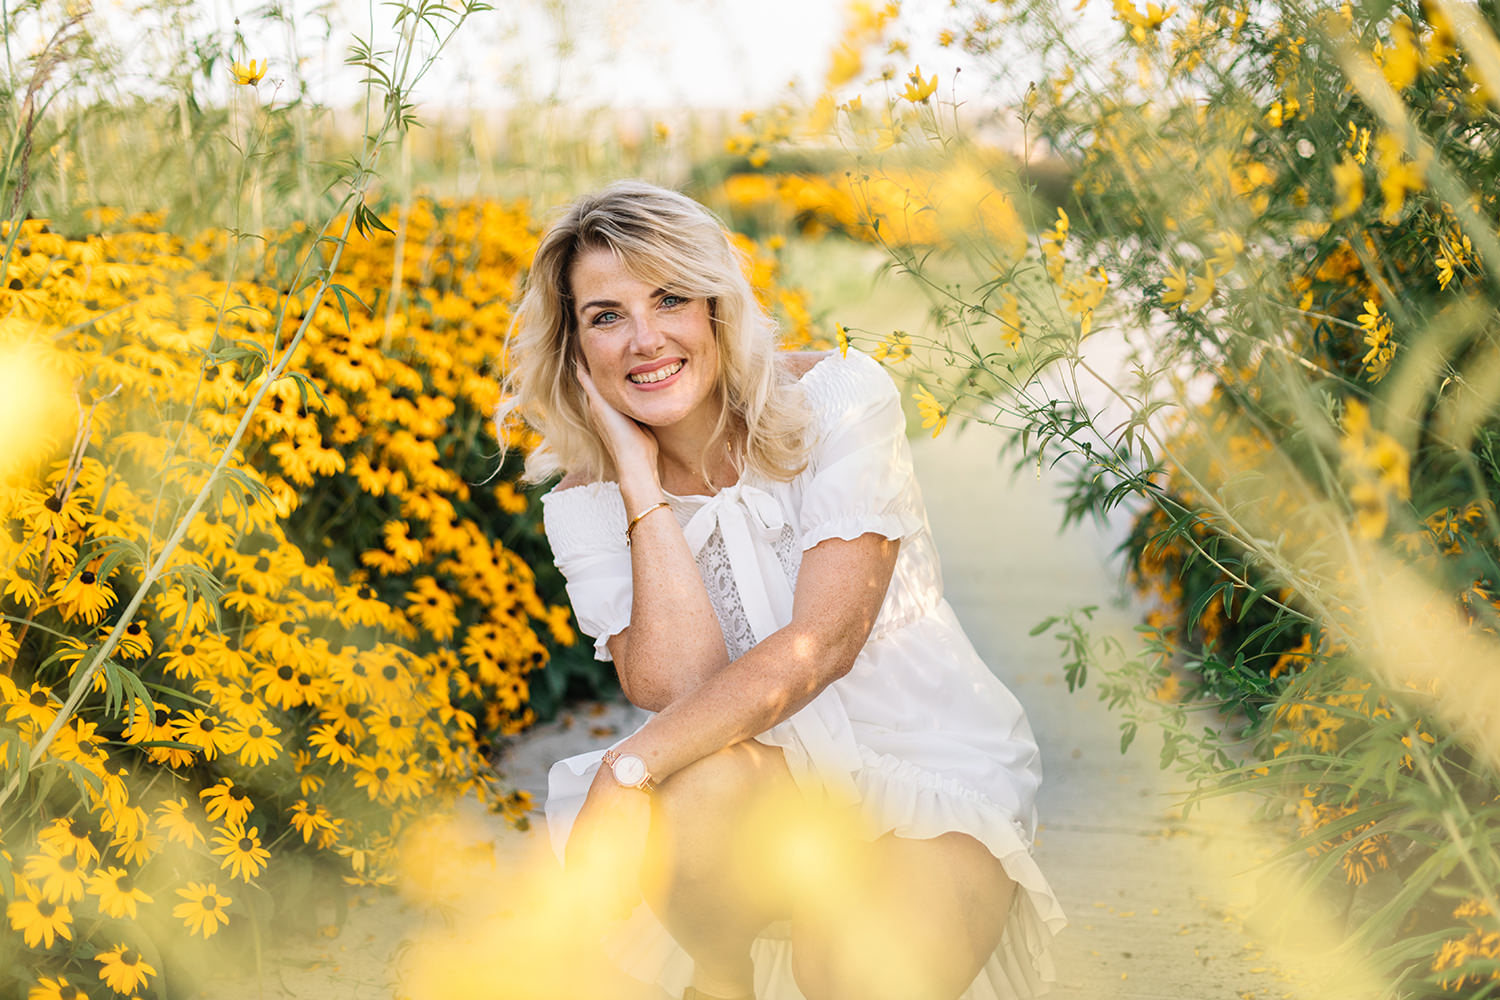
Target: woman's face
{"points": [[651, 352]]}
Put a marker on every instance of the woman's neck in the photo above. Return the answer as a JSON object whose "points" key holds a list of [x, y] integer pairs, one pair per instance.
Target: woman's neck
{"points": [[685, 453]]}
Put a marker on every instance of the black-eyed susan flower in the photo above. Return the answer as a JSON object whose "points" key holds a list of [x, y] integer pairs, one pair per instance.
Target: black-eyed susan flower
{"points": [[59, 877], [255, 742], [334, 743], [136, 847], [118, 895], [227, 801], [39, 920], [172, 817], [49, 988], [187, 661], [199, 729], [36, 705], [312, 821], [243, 856], [202, 908], [82, 596], [66, 834], [123, 969], [278, 685]]}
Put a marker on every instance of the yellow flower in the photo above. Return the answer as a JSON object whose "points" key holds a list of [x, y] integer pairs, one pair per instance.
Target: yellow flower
{"points": [[1377, 332], [934, 414], [917, 90], [203, 909], [249, 76], [1203, 290], [117, 892], [1348, 186], [243, 856], [842, 332], [1175, 286], [123, 969], [38, 920], [1011, 323]]}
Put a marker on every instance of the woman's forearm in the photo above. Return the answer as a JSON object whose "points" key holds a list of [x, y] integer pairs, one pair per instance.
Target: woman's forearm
{"points": [[674, 642], [840, 590], [766, 686]]}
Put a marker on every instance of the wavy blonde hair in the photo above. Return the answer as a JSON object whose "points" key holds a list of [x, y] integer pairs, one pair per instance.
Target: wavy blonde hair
{"points": [[669, 240]]}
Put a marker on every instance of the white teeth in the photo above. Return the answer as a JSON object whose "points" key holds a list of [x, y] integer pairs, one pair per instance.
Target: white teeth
{"points": [[657, 375]]}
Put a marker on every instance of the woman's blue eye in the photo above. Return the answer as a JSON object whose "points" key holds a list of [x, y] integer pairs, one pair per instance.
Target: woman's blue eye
{"points": [[672, 300], [608, 316]]}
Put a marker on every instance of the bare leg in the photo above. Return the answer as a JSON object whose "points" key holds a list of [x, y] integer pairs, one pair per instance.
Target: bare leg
{"points": [[911, 920], [705, 874]]}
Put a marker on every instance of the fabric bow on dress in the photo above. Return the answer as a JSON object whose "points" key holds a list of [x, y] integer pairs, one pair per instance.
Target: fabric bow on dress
{"points": [[750, 520]]}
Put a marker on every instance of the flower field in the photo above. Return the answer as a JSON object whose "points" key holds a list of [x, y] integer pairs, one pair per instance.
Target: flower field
{"points": [[268, 593]]}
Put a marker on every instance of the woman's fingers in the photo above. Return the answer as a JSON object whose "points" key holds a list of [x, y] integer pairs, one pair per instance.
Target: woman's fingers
{"points": [[627, 440]]}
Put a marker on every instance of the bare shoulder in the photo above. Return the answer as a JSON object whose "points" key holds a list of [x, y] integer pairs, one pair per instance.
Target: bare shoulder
{"points": [[571, 480], [799, 363]]}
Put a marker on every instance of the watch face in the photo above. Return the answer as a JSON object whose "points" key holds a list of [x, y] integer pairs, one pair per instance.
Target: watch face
{"points": [[629, 769]]}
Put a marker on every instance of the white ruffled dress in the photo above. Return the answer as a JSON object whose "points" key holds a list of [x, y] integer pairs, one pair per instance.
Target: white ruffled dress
{"points": [[919, 732]]}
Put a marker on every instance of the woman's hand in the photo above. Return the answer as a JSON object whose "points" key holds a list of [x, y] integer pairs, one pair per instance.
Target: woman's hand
{"points": [[632, 446], [608, 845]]}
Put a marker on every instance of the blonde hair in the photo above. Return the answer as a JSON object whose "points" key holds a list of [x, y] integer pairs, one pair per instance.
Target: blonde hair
{"points": [[671, 241]]}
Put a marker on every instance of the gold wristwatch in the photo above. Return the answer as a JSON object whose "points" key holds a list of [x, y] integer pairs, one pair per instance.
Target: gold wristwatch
{"points": [[629, 770]]}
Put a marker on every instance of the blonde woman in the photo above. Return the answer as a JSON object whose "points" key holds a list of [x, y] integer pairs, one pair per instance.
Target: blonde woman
{"points": [[834, 797]]}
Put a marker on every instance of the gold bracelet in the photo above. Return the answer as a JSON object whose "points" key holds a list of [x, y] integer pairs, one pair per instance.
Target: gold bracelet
{"points": [[637, 519]]}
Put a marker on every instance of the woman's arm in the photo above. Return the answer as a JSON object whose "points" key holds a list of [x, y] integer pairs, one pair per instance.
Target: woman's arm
{"points": [[674, 641], [840, 588]]}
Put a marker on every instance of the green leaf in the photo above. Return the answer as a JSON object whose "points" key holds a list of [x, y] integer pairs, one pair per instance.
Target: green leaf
{"points": [[1044, 625]]}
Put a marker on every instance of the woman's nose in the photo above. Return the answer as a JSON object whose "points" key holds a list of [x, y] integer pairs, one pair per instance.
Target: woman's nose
{"points": [[649, 338]]}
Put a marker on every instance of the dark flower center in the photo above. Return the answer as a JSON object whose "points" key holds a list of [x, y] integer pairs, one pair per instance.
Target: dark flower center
{"points": [[287, 628], [53, 504], [125, 883], [38, 698], [134, 628], [382, 772], [256, 732], [285, 673], [389, 673], [189, 649], [207, 725], [87, 578], [304, 679], [246, 844], [394, 722], [341, 738], [209, 903], [129, 957], [262, 564], [238, 794], [161, 717], [45, 908]]}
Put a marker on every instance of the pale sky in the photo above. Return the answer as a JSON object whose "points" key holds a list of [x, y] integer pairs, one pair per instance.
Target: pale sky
{"points": [[646, 53]]}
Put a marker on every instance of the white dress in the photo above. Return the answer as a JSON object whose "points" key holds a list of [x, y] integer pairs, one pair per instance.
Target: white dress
{"points": [[919, 732]]}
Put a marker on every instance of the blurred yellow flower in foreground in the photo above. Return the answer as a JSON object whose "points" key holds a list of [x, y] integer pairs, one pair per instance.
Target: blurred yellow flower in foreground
{"points": [[249, 76]]}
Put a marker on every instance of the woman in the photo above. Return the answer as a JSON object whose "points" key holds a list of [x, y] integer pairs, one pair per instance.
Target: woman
{"points": [[741, 532]]}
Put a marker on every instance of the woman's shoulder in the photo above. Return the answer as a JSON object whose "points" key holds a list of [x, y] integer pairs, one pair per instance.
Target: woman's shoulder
{"points": [[799, 363], [836, 381]]}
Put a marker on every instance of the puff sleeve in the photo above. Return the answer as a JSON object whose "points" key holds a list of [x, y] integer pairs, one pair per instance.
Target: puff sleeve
{"points": [[859, 477], [586, 528]]}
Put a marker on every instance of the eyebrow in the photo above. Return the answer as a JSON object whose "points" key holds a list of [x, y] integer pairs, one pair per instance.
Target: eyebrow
{"points": [[611, 303]]}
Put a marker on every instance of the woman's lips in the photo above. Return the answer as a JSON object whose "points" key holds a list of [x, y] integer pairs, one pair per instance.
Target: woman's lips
{"points": [[659, 375]]}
